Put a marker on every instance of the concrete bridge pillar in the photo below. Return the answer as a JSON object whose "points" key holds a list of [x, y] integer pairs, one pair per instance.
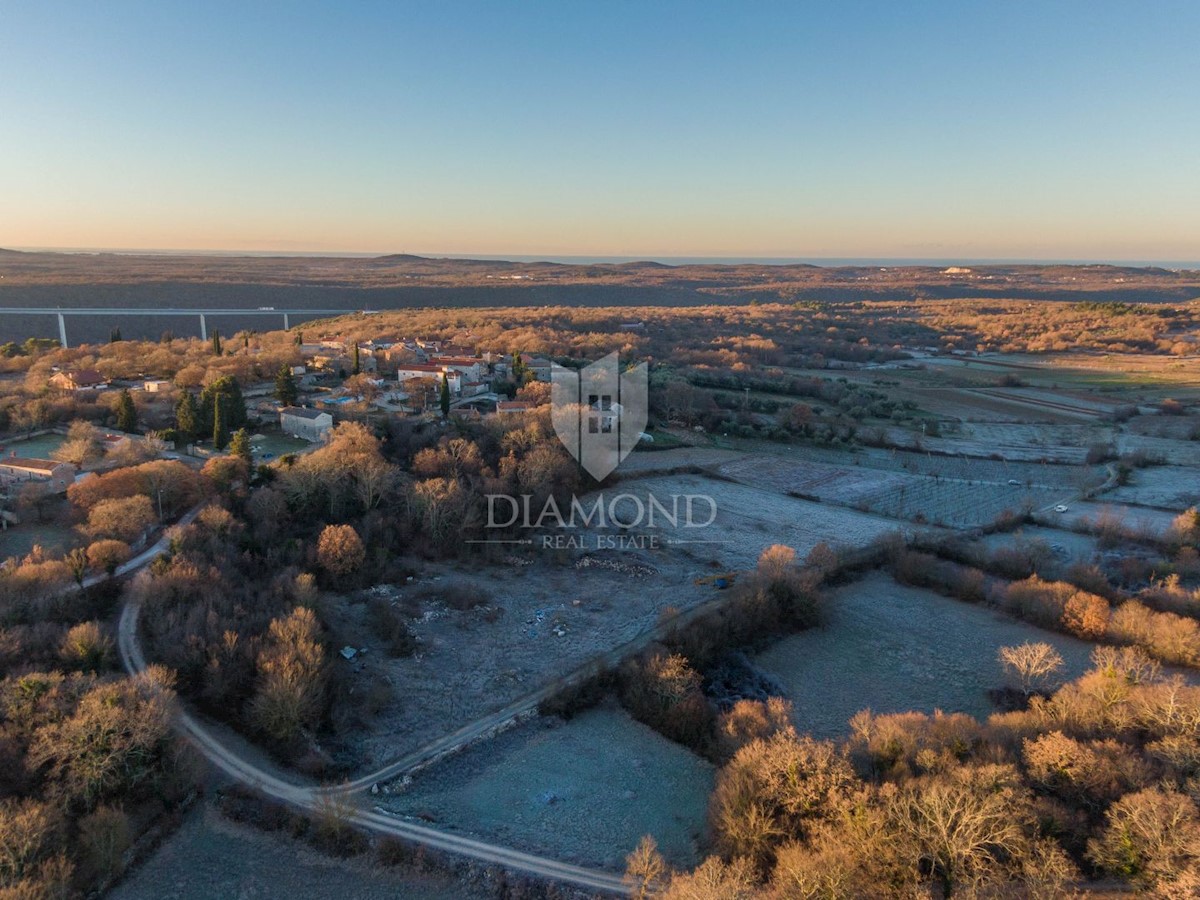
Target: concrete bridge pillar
{"points": [[62, 330], [203, 328], [286, 324]]}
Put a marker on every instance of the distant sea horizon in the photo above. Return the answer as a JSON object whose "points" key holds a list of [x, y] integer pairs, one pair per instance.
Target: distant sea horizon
{"points": [[823, 261]]}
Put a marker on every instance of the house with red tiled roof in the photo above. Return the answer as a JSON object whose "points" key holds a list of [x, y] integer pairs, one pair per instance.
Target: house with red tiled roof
{"points": [[55, 476], [78, 380], [513, 406]]}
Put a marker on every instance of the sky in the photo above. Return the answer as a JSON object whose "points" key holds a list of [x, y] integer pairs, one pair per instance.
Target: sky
{"points": [[741, 129]]}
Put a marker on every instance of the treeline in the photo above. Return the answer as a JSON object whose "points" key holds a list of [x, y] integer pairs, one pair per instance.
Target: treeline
{"points": [[1091, 782]]}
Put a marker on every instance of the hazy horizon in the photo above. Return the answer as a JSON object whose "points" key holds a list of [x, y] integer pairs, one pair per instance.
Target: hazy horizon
{"points": [[590, 259]]}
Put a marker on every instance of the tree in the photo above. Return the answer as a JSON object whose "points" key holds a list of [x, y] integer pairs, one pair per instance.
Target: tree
{"points": [[114, 335], [645, 869], [286, 391], [216, 343], [77, 561], [187, 417], [86, 647], [114, 743], [82, 445], [1149, 836], [220, 432], [445, 396], [1086, 615], [290, 675], [357, 363], [340, 550], [106, 555], [126, 413], [125, 519], [239, 446], [1032, 663], [233, 405]]}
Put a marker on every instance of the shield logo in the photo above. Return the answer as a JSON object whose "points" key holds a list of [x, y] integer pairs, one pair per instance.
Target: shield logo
{"points": [[599, 413]]}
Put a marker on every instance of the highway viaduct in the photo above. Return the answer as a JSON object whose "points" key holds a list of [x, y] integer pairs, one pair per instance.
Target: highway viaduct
{"points": [[200, 314]]}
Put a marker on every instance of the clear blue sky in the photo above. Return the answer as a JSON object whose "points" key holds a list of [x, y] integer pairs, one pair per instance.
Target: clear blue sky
{"points": [[940, 129]]}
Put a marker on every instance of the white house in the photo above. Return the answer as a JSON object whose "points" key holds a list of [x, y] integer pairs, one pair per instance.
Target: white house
{"points": [[309, 424]]}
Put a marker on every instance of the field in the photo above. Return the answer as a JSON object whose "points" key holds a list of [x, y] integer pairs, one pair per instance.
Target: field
{"points": [[585, 790], [1067, 546], [964, 499], [212, 857], [891, 648], [750, 519], [1170, 487], [1154, 522]]}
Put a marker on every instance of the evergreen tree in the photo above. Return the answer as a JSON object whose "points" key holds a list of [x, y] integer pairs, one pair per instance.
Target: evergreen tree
{"points": [[115, 335], [285, 386], [445, 398], [232, 403], [299, 338], [519, 370], [126, 413], [187, 418], [239, 445], [246, 340], [220, 431], [216, 343], [357, 366]]}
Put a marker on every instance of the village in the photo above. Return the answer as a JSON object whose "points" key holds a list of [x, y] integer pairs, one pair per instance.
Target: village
{"points": [[338, 380]]}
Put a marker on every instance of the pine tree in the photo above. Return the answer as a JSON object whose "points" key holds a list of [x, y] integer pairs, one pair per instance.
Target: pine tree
{"points": [[220, 431], [187, 417], [285, 386], [216, 343], [357, 367], [126, 413], [239, 445], [445, 398]]}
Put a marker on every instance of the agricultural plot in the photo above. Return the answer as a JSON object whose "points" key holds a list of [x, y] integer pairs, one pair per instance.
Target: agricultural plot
{"points": [[584, 791], [960, 502], [1152, 522], [891, 648], [1170, 487], [1064, 546], [1171, 451], [750, 519]]}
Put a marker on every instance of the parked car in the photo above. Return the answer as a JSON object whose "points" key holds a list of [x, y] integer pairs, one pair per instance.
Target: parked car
{"points": [[1060, 508]]}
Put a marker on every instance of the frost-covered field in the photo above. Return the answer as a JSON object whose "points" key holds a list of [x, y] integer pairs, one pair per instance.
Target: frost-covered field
{"points": [[892, 648], [584, 790]]}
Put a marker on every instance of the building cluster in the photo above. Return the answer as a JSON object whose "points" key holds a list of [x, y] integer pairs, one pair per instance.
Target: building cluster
{"points": [[408, 376]]}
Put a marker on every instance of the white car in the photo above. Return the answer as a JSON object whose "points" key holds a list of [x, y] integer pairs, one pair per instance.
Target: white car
{"points": [[1014, 482], [1060, 508]]}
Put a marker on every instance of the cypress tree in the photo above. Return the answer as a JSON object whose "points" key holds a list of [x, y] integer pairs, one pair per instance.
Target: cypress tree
{"points": [[285, 386], [445, 398], [187, 417], [220, 432], [357, 368], [216, 343], [126, 413], [239, 445]]}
